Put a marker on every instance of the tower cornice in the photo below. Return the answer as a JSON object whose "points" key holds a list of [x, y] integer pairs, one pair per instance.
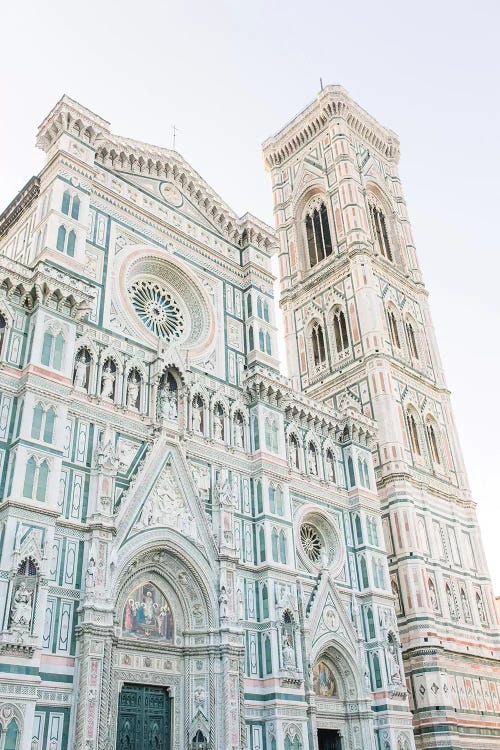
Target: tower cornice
{"points": [[331, 102]]}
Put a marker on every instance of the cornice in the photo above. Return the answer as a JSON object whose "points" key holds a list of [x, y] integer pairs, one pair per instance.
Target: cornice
{"points": [[331, 102], [23, 200], [276, 390], [131, 156], [68, 113], [43, 281], [126, 154]]}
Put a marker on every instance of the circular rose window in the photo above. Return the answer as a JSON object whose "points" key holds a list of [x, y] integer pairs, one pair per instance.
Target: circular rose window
{"points": [[157, 309], [311, 541], [158, 296], [319, 542]]}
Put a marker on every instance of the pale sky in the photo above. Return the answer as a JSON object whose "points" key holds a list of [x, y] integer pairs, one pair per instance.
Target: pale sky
{"points": [[229, 74]]}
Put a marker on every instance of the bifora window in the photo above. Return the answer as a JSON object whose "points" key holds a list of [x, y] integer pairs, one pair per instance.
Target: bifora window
{"points": [[157, 309], [318, 237], [379, 224], [318, 344]]}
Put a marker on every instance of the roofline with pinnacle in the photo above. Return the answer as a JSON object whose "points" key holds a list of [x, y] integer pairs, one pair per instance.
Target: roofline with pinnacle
{"points": [[331, 102], [130, 155]]}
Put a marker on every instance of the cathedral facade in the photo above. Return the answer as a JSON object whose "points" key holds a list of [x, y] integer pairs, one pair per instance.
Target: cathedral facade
{"points": [[195, 550]]}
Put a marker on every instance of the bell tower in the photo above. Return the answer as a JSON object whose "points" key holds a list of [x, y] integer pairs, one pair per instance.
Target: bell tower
{"points": [[357, 327]]}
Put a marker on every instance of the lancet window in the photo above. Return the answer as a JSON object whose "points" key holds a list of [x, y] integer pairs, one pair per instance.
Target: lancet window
{"points": [[393, 329], [340, 331], [411, 423], [412, 340], [433, 445], [318, 344], [318, 237], [379, 224]]}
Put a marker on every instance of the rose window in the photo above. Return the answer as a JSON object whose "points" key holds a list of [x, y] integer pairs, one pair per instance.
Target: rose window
{"points": [[311, 542], [319, 542], [157, 309]]}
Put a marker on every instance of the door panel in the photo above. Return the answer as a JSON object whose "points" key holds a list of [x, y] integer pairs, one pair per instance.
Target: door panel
{"points": [[329, 739], [143, 718]]}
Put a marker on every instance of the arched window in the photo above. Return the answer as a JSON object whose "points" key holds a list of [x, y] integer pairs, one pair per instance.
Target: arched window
{"points": [[393, 329], [259, 307], [350, 471], [65, 202], [267, 433], [258, 492], [318, 344], [360, 472], [43, 475], [272, 499], [36, 425], [261, 340], [370, 622], [262, 545], [283, 547], [433, 446], [379, 225], [48, 430], [249, 306], [274, 545], [413, 432], [266, 311], [250, 338], [265, 602], [29, 477], [274, 436], [71, 244], [267, 654], [377, 674], [61, 238], [318, 237], [364, 573], [11, 736], [75, 208], [340, 331], [412, 341], [279, 500], [359, 531], [366, 475], [48, 343], [268, 343], [256, 437], [58, 351]]}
